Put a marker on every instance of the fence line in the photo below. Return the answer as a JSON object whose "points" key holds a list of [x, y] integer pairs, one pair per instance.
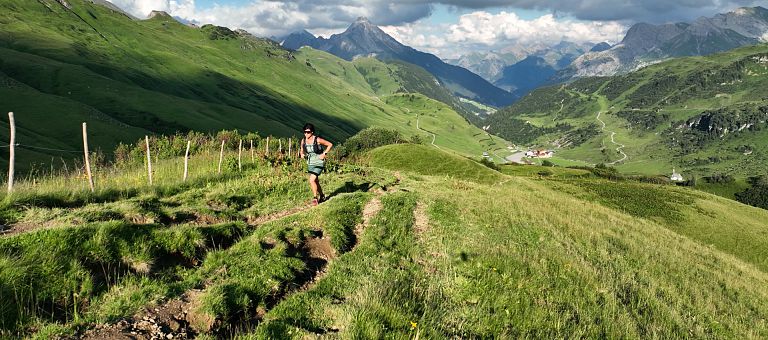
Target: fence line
{"points": [[85, 169]]}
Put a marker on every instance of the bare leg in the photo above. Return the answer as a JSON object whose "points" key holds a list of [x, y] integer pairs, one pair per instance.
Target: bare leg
{"points": [[313, 184], [319, 188]]}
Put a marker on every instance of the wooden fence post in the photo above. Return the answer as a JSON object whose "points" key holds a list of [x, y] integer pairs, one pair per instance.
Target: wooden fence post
{"points": [[221, 156], [290, 144], [279, 146], [252, 159], [149, 160], [186, 160], [87, 158], [240, 156], [12, 152], [266, 153]]}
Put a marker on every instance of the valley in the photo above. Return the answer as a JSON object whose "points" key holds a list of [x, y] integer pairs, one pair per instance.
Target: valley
{"points": [[654, 113]]}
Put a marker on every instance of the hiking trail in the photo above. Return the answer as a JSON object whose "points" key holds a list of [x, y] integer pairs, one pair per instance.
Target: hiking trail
{"points": [[613, 134]]}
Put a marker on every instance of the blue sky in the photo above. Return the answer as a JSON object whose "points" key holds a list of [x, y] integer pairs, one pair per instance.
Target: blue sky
{"points": [[447, 28]]}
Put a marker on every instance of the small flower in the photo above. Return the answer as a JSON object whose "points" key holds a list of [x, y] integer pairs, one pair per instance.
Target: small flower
{"points": [[414, 325]]}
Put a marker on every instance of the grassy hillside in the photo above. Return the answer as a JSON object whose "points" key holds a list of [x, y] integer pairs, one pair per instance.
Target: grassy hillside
{"points": [[701, 115], [61, 66], [433, 246]]}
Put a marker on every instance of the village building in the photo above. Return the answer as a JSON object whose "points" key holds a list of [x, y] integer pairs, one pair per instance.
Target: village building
{"points": [[539, 153], [676, 177]]}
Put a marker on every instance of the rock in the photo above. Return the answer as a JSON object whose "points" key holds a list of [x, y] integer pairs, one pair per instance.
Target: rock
{"points": [[174, 325]]}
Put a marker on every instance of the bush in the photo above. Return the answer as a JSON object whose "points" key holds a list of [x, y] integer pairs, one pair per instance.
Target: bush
{"points": [[603, 171], [371, 138], [489, 163], [547, 163], [719, 179], [756, 196]]}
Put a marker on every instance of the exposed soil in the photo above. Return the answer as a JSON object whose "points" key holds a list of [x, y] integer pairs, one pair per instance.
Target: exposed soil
{"points": [[320, 248], [169, 320], [370, 210], [420, 219], [23, 227], [278, 215]]}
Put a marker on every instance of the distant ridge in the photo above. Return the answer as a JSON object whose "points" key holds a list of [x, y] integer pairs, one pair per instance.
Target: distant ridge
{"points": [[362, 38], [646, 44], [113, 7]]}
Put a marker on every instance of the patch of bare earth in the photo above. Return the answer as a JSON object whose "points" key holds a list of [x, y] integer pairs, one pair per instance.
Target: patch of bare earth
{"points": [[173, 319], [370, 210], [18, 228], [278, 215], [420, 219]]}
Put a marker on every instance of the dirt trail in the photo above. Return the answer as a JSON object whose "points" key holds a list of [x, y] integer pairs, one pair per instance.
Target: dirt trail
{"points": [[177, 319], [433, 135], [420, 218], [613, 134]]}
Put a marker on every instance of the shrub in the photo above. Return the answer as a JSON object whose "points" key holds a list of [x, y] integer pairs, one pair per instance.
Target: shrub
{"points": [[371, 138], [489, 163], [757, 195], [719, 178], [548, 163]]}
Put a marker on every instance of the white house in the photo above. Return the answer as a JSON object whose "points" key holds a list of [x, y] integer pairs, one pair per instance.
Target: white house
{"points": [[676, 177]]}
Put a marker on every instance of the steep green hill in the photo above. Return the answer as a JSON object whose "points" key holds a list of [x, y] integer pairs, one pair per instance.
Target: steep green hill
{"points": [[60, 66], [418, 243], [701, 115]]}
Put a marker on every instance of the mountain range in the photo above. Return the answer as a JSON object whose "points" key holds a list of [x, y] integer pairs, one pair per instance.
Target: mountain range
{"points": [[539, 67], [491, 64], [646, 44], [362, 38]]}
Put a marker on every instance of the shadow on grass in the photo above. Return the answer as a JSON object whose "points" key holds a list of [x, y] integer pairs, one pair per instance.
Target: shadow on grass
{"points": [[351, 186]]}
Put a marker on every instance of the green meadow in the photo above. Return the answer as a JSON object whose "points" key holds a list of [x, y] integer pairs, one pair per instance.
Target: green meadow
{"points": [[414, 242]]}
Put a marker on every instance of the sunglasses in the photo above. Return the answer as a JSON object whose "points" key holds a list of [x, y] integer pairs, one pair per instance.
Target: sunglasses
{"points": [[307, 131]]}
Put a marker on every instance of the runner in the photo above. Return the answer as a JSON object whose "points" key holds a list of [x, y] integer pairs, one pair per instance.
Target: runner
{"points": [[314, 149]]}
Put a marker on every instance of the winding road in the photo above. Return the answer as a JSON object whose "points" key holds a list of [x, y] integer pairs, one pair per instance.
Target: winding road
{"points": [[621, 146]]}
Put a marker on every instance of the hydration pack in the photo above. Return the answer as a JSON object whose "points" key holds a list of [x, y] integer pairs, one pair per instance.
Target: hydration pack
{"points": [[316, 148]]}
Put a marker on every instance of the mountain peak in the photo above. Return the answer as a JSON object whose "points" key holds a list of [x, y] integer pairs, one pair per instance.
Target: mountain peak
{"points": [[363, 22], [159, 14]]}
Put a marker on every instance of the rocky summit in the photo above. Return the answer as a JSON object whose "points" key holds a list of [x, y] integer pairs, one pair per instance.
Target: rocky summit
{"points": [[645, 44]]}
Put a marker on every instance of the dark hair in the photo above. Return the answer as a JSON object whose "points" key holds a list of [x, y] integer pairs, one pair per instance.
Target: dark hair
{"points": [[310, 127]]}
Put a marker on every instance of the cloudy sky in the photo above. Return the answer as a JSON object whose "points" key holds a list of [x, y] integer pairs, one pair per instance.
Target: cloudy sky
{"points": [[447, 28]]}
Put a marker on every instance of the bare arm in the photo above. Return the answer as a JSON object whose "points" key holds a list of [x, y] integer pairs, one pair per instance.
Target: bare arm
{"points": [[301, 150], [328, 145]]}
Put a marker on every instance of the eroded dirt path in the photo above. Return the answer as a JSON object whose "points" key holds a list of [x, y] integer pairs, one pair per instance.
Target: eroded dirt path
{"points": [[177, 318]]}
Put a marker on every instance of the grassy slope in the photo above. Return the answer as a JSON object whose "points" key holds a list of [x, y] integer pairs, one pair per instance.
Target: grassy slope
{"points": [[646, 148], [158, 76], [457, 249], [557, 262]]}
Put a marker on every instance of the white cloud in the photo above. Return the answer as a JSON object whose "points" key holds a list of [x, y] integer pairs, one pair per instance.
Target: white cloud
{"points": [[269, 17], [478, 30], [493, 30], [482, 31]]}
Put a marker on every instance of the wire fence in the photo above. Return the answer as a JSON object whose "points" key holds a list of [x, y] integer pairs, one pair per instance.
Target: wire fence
{"points": [[151, 149]]}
